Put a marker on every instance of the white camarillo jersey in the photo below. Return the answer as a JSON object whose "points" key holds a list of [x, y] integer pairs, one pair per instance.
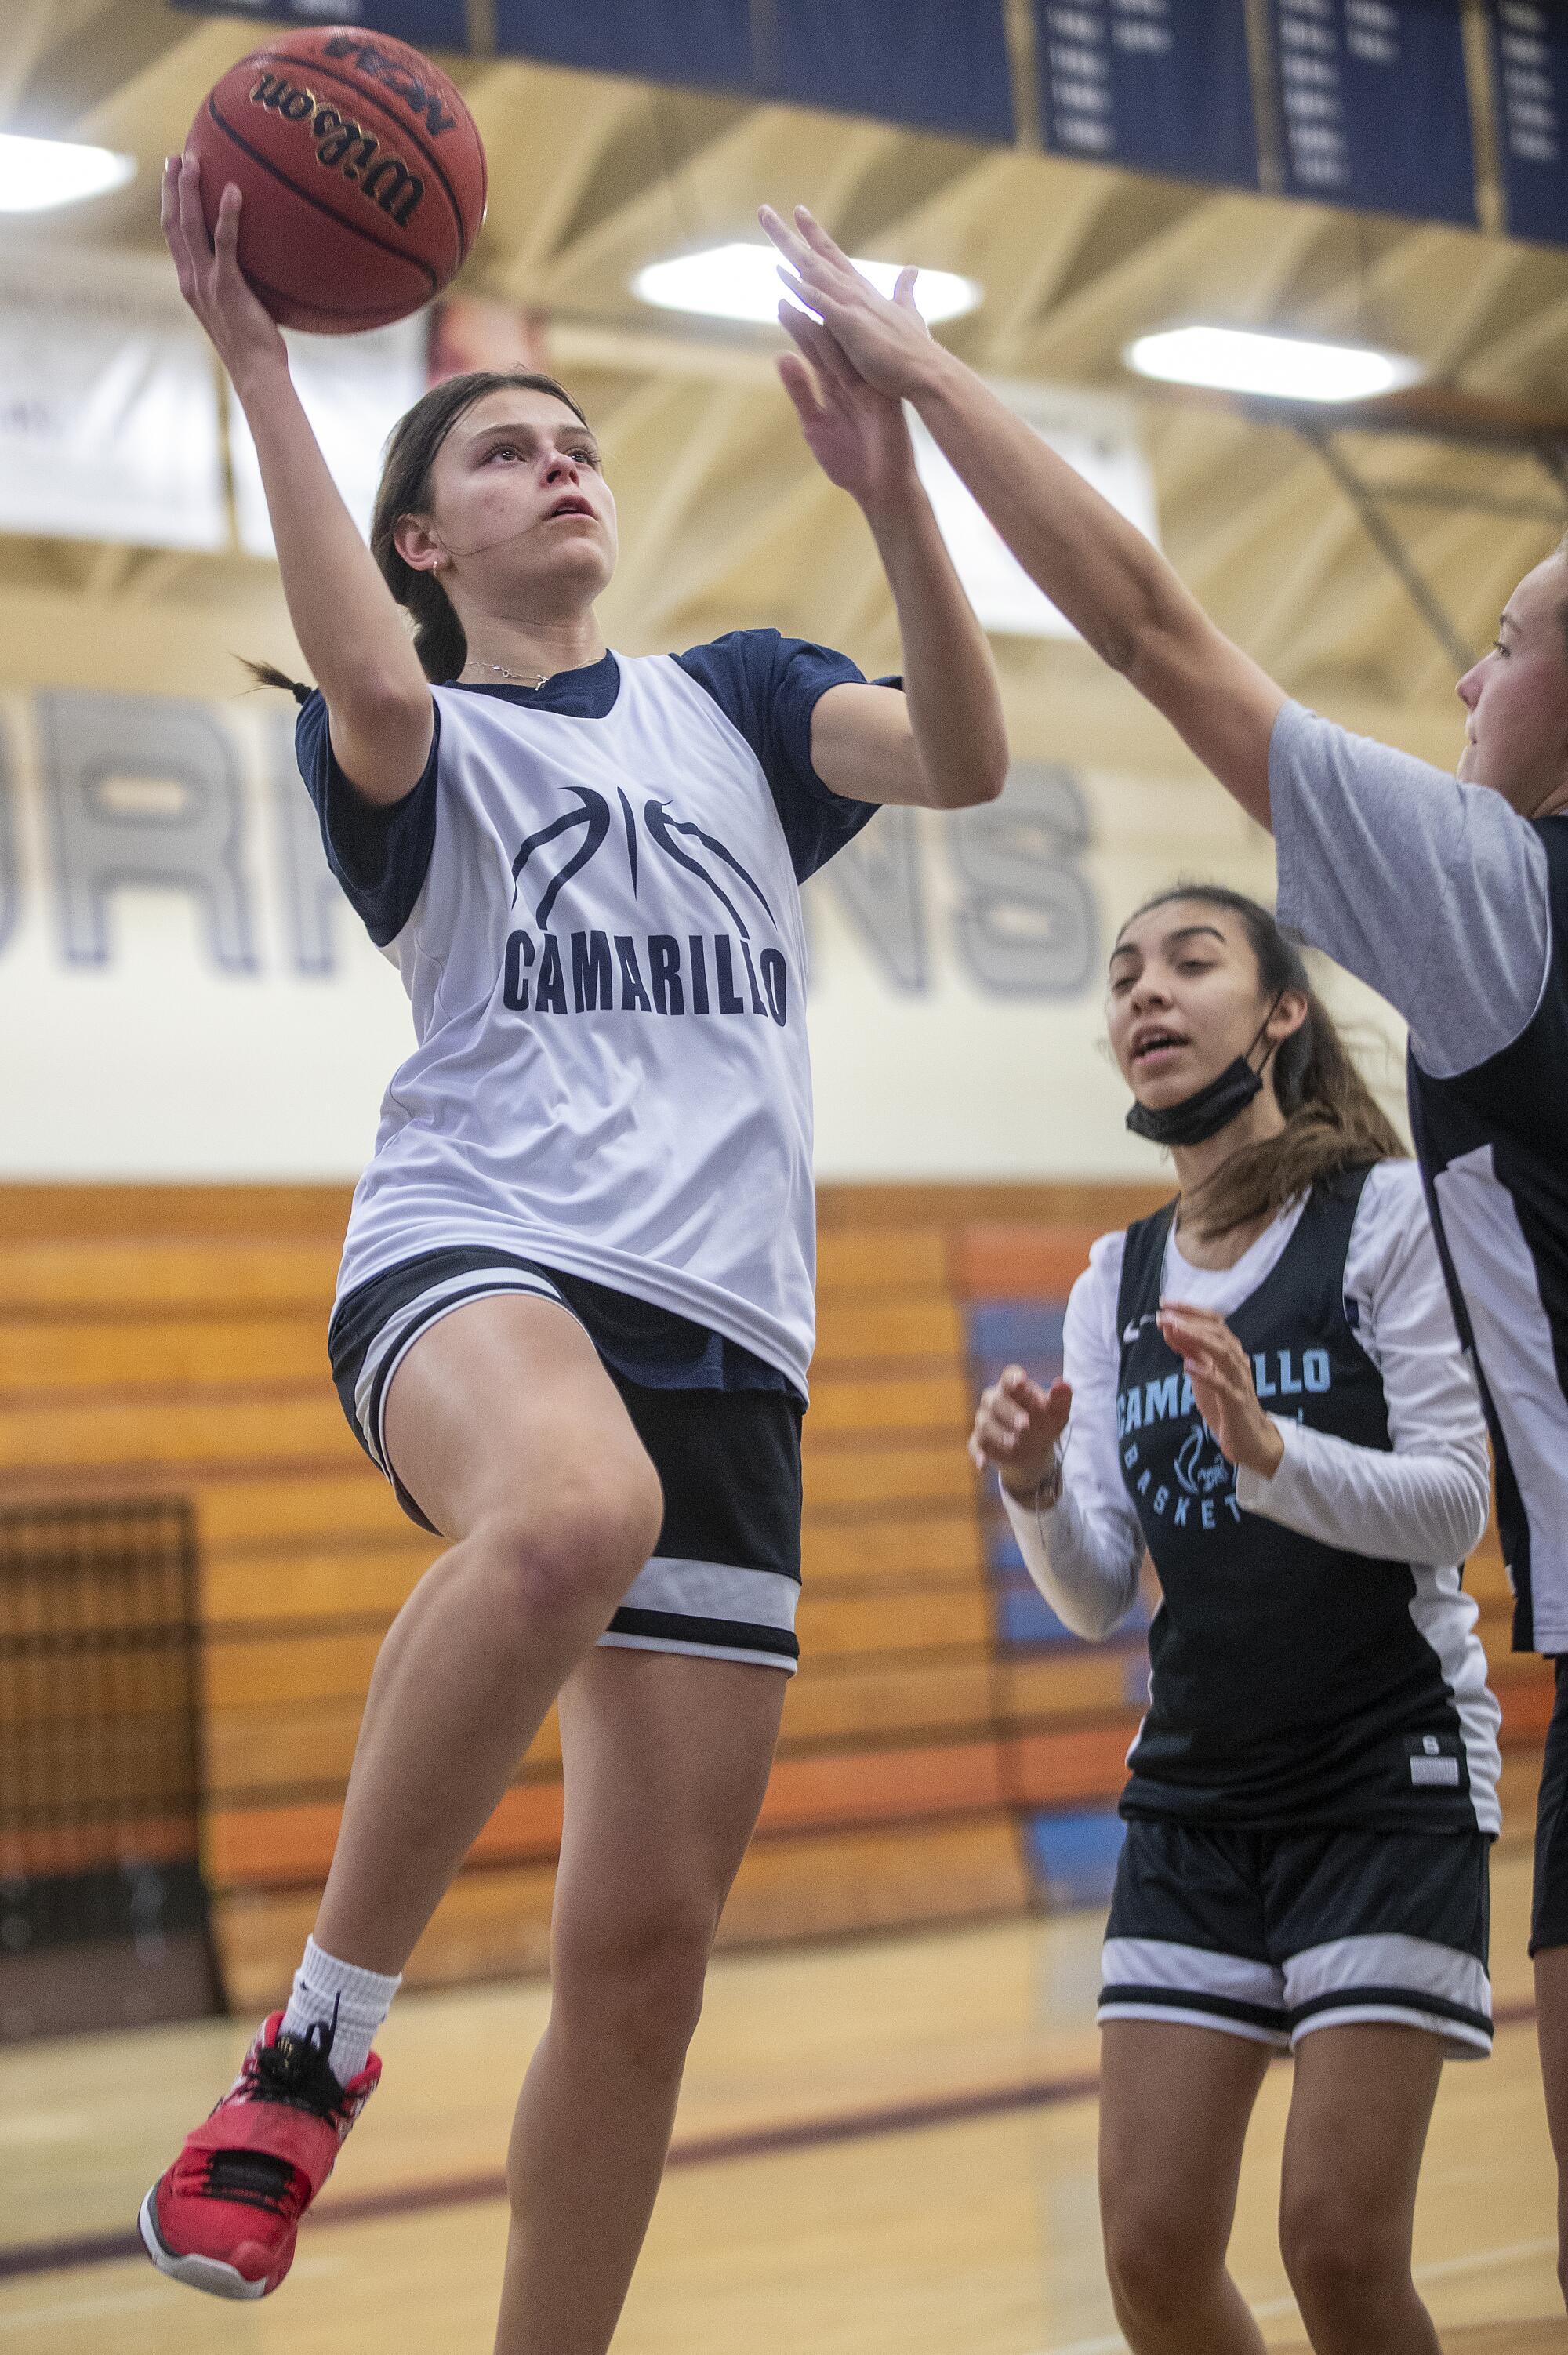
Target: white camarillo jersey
{"points": [[593, 898]]}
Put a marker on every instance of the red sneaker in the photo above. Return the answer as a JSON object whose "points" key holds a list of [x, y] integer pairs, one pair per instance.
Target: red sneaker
{"points": [[224, 2217]]}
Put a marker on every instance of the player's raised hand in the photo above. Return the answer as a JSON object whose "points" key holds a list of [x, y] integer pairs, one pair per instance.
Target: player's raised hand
{"points": [[884, 338], [1221, 1373], [243, 332], [856, 435], [1017, 1428]]}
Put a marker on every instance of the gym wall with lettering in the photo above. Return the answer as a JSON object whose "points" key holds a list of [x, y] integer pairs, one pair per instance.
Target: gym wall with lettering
{"points": [[184, 995]]}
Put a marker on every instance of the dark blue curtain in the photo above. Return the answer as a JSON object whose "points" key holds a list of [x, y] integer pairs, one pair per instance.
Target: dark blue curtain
{"points": [[429, 23], [940, 65], [704, 43]]}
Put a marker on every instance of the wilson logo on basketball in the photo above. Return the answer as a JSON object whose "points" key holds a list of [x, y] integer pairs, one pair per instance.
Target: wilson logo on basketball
{"points": [[341, 145]]}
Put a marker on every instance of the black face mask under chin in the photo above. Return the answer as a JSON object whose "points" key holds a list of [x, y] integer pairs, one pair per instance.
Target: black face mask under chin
{"points": [[1198, 1117]]}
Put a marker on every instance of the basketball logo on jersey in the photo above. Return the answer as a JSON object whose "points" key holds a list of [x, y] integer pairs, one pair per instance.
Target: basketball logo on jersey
{"points": [[676, 971], [1200, 1468], [1193, 1484]]}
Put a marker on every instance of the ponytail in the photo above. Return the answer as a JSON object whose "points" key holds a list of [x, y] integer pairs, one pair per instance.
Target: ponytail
{"points": [[266, 673], [1332, 1120]]}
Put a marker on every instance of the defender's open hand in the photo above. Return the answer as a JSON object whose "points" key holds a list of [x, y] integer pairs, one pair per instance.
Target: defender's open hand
{"points": [[886, 340], [856, 435]]}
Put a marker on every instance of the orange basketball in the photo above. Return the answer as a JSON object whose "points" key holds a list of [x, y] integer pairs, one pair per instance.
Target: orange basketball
{"points": [[362, 170]]}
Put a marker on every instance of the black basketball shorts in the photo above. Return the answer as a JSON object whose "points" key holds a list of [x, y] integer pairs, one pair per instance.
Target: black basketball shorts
{"points": [[1273, 1935], [1549, 1915], [723, 1581]]}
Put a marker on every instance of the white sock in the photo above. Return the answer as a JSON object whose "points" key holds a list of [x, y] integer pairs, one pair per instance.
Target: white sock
{"points": [[351, 2002]]}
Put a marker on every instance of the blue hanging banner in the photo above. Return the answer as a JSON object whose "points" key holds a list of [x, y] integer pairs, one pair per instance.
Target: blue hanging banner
{"points": [[938, 64], [1374, 105], [427, 24], [705, 44], [1529, 67], [1156, 85]]}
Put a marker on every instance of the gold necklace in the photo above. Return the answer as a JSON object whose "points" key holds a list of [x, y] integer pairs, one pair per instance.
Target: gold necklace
{"points": [[516, 677]]}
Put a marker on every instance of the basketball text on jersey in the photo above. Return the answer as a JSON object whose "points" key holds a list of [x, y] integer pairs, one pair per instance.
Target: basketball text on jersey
{"points": [[1204, 1484], [341, 145]]}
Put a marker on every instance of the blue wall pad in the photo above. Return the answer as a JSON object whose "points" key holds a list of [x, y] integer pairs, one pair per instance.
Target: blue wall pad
{"points": [[429, 23], [940, 65], [1074, 1857], [1028, 1332], [1006, 1564], [1024, 1619], [706, 44]]}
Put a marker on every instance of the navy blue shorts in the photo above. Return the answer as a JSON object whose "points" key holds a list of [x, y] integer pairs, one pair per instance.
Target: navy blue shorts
{"points": [[1548, 1916], [723, 1581], [1271, 1934]]}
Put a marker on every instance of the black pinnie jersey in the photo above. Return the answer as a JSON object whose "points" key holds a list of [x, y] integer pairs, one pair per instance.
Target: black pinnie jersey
{"points": [[1292, 1684], [1493, 1146]]}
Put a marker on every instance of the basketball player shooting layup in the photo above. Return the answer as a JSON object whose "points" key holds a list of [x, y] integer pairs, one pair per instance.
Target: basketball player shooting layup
{"points": [[575, 1308], [1449, 900]]}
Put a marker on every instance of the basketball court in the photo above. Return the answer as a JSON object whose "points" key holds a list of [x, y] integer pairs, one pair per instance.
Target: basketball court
{"points": [[885, 2143]]}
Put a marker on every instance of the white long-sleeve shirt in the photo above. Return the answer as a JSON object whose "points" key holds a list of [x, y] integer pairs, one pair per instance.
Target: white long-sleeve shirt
{"points": [[1425, 1502]]}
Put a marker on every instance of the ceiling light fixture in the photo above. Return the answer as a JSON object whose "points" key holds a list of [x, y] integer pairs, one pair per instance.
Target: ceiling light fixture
{"points": [[1279, 368], [36, 175], [740, 281]]}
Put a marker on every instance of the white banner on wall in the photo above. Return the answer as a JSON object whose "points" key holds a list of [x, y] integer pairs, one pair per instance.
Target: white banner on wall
{"points": [[1097, 434], [184, 993], [109, 420], [353, 388]]}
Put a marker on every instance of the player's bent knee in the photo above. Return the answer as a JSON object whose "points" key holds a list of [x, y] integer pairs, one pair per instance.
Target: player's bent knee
{"points": [[585, 1547], [636, 1982]]}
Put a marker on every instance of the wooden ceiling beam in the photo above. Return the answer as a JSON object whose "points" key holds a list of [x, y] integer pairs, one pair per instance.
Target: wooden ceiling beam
{"points": [[710, 195], [1493, 573], [1156, 281], [576, 341], [1018, 312], [1346, 622], [538, 182], [686, 580], [706, 431]]}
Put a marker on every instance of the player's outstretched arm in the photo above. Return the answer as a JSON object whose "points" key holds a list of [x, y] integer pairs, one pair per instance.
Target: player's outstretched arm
{"points": [[942, 744], [348, 627], [1102, 574]]}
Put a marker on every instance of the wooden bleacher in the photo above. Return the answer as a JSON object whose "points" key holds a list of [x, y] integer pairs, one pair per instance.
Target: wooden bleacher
{"points": [[170, 1341]]}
